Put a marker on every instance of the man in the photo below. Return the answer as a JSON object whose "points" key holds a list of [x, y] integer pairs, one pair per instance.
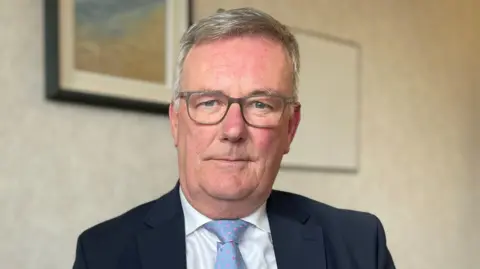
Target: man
{"points": [[233, 117]]}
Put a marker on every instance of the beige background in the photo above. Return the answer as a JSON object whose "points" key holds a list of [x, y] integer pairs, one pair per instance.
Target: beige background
{"points": [[65, 167], [476, 199], [327, 139]]}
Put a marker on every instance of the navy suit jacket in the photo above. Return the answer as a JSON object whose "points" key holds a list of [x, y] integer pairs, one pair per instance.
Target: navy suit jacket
{"points": [[306, 234]]}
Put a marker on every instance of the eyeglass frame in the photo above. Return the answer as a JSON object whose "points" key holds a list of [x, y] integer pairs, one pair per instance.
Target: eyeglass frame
{"points": [[290, 100]]}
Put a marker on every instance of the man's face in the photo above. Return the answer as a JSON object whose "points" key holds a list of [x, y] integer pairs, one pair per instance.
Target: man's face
{"points": [[232, 161]]}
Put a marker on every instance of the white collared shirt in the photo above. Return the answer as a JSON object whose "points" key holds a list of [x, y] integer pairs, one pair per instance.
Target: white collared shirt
{"points": [[201, 245]]}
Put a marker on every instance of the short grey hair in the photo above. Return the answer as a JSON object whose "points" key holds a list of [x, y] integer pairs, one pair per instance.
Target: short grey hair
{"points": [[233, 23]]}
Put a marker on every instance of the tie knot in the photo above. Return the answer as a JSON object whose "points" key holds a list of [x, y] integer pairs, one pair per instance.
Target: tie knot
{"points": [[227, 230]]}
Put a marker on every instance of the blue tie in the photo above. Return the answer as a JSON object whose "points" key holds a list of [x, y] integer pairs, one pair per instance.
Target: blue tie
{"points": [[229, 233]]}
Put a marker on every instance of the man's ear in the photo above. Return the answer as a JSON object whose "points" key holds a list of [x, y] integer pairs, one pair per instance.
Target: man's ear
{"points": [[173, 115], [293, 123]]}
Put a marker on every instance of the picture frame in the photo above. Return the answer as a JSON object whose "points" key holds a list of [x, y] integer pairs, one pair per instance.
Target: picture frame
{"points": [[328, 137], [113, 53]]}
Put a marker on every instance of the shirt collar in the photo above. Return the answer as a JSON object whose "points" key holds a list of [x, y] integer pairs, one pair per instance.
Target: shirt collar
{"points": [[195, 219]]}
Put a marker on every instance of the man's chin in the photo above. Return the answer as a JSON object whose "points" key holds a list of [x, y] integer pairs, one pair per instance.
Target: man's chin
{"points": [[229, 194]]}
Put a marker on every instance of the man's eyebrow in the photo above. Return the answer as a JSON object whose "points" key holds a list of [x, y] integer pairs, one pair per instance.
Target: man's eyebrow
{"points": [[264, 91], [256, 92], [209, 90]]}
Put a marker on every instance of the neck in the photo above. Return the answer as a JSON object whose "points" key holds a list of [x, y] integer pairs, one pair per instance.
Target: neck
{"points": [[222, 209]]}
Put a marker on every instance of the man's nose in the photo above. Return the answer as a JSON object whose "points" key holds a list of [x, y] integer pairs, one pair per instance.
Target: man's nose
{"points": [[233, 126]]}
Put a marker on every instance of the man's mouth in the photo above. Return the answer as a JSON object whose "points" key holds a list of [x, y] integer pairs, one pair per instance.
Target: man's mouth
{"points": [[232, 159]]}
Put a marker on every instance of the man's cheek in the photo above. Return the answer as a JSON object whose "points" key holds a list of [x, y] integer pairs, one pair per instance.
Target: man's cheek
{"points": [[266, 141], [200, 140]]}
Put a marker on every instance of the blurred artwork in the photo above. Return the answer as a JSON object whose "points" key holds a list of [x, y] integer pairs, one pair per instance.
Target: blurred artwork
{"points": [[121, 38]]}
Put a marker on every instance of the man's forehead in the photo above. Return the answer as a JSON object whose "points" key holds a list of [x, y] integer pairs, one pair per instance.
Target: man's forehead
{"points": [[239, 67], [243, 93], [236, 52]]}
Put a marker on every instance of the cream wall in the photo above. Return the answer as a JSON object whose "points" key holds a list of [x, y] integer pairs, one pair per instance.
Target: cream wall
{"points": [[65, 167], [476, 199]]}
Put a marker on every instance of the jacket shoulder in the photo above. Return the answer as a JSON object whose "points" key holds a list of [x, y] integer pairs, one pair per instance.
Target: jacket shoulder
{"points": [[100, 245], [131, 219], [357, 234], [327, 215]]}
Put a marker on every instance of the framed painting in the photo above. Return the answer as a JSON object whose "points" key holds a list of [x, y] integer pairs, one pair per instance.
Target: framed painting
{"points": [[113, 53], [327, 139]]}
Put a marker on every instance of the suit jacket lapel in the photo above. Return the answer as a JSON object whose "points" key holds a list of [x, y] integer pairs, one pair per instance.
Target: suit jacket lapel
{"points": [[165, 242], [297, 240]]}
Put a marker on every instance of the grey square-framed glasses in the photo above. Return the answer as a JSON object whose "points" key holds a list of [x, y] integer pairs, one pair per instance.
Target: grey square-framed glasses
{"points": [[261, 109]]}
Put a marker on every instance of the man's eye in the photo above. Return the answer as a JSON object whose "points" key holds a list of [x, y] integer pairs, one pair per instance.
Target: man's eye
{"points": [[260, 105], [209, 103]]}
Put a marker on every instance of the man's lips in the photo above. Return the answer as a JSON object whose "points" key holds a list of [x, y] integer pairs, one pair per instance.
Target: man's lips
{"points": [[230, 159]]}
